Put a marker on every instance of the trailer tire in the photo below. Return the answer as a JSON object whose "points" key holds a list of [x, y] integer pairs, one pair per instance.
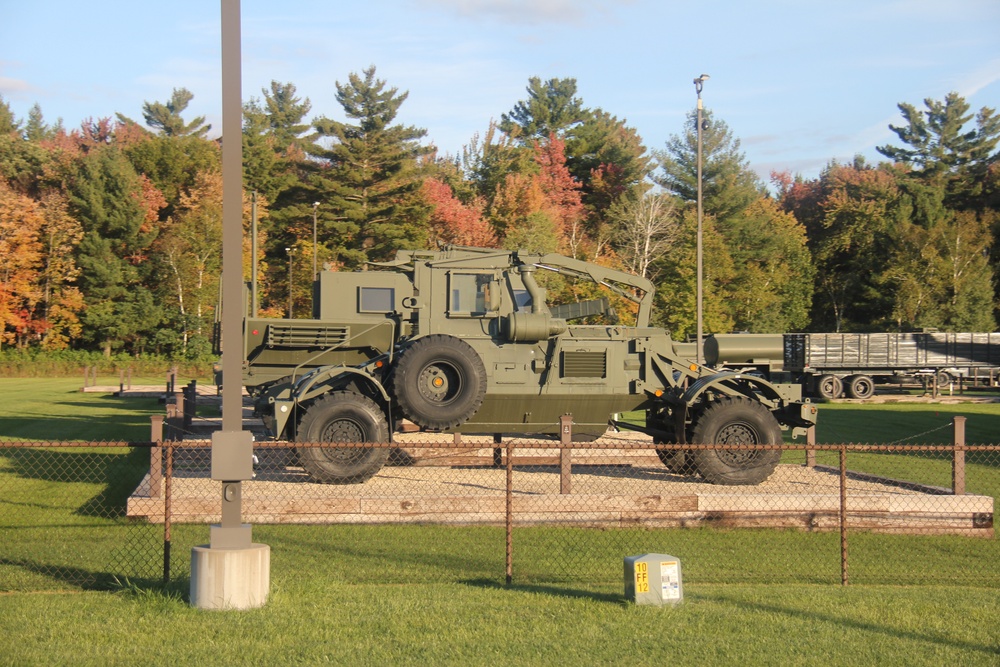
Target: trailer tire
{"points": [[829, 386], [943, 379], [736, 421], [860, 386], [439, 382], [347, 417]]}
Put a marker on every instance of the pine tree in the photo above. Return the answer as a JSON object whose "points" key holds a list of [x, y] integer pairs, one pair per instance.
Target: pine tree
{"points": [[8, 123], [943, 152], [370, 189], [551, 108], [118, 216], [166, 117], [728, 183]]}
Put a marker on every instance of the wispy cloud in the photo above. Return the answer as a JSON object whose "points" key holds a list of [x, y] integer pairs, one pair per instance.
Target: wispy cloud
{"points": [[986, 74], [529, 12], [10, 86]]}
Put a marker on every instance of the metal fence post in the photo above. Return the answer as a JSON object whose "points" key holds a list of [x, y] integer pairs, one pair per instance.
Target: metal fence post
{"points": [[167, 497], [843, 515], [958, 455], [565, 453], [155, 456], [190, 403], [510, 512]]}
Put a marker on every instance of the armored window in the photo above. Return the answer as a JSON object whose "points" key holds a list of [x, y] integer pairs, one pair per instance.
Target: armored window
{"points": [[522, 300], [376, 299], [470, 294]]}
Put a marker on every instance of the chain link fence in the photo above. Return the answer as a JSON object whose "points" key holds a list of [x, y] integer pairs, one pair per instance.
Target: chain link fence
{"points": [[64, 516], [523, 510]]}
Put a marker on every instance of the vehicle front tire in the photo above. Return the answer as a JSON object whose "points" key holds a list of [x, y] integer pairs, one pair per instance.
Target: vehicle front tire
{"points": [[343, 417], [736, 421]]}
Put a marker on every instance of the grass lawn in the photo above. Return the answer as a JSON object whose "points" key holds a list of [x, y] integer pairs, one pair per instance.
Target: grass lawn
{"points": [[436, 595]]}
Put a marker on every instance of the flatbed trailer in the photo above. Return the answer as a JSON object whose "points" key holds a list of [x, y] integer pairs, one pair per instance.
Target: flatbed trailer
{"points": [[831, 365]]}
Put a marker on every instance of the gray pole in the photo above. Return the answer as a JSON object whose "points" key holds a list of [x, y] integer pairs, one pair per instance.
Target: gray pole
{"points": [[698, 83], [253, 254], [231, 572]]}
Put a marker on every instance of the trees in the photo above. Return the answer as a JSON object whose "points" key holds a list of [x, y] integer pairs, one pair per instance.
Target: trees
{"points": [[369, 181], [118, 211], [762, 262], [551, 108], [21, 222], [604, 155], [647, 227], [891, 255], [728, 183], [942, 151], [166, 117]]}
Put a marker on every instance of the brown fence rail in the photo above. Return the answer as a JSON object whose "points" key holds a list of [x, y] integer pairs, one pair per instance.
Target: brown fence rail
{"points": [[95, 513]]}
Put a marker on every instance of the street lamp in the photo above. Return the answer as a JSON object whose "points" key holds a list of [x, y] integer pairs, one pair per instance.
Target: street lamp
{"points": [[315, 207], [289, 251], [698, 83]]}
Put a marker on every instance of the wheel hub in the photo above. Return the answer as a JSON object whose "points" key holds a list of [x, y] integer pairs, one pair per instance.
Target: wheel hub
{"points": [[439, 383], [738, 433]]}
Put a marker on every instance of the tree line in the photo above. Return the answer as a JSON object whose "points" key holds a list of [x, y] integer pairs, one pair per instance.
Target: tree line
{"points": [[110, 234]]}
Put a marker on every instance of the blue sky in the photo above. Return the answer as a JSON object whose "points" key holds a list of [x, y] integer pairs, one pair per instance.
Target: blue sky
{"points": [[798, 82]]}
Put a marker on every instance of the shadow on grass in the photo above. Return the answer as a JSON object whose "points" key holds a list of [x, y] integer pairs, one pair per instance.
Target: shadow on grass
{"points": [[119, 471], [863, 626], [99, 417], [74, 576], [612, 598]]}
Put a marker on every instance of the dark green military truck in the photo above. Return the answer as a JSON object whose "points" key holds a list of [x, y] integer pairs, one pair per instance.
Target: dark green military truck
{"points": [[462, 340]]}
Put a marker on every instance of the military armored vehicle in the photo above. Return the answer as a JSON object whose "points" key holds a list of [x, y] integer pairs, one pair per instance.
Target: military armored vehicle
{"points": [[463, 340]]}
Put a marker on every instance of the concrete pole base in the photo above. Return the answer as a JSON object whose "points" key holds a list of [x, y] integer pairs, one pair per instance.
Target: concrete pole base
{"points": [[230, 578]]}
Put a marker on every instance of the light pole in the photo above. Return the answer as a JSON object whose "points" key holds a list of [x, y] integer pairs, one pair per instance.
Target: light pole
{"points": [[698, 83], [315, 207], [289, 251]]}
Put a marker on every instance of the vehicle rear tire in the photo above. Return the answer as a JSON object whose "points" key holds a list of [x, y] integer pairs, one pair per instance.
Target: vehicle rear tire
{"points": [[736, 421], [860, 386], [344, 417], [439, 382], [829, 386]]}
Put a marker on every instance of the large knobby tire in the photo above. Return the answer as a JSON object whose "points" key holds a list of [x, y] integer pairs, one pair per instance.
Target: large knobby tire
{"points": [[677, 461], [343, 417], [439, 382], [736, 421], [860, 386], [829, 386]]}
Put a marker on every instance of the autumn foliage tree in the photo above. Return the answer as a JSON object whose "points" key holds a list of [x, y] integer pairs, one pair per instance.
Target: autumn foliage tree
{"points": [[451, 221], [21, 222]]}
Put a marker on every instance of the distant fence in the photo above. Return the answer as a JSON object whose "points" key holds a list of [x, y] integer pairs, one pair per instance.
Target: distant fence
{"points": [[92, 514]]}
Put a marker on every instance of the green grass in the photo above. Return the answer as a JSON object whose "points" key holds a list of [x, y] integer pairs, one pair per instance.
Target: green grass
{"points": [[311, 619], [436, 594], [34, 409]]}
